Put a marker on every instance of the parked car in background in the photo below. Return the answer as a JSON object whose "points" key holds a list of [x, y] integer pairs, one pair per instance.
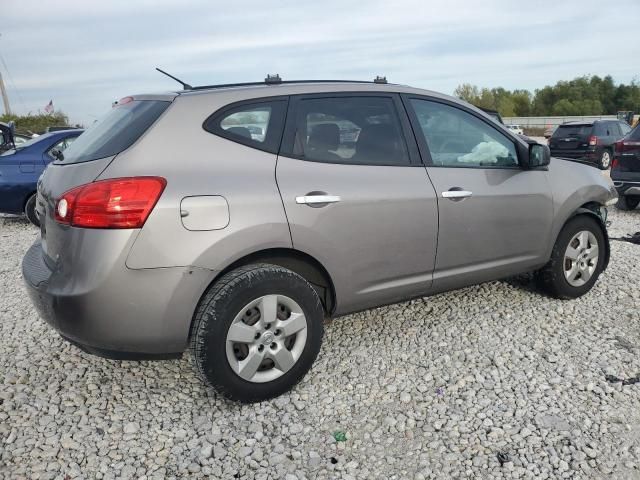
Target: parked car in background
{"points": [[6, 137], [236, 248], [19, 139], [548, 133], [20, 168], [625, 170], [493, 114], [589, 141], [58, 128], [515, 129]]}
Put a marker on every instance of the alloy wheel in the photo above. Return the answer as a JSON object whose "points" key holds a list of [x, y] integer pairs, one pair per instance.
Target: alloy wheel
{"points": [[266, 338], [581, 258]]}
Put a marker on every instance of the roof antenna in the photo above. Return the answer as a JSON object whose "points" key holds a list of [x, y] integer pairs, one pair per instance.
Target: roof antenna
{"points": [[186, 86]]}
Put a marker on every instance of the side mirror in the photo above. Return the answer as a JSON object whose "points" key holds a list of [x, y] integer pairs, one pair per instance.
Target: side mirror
{"points": [[57, 154], [539, 155]]}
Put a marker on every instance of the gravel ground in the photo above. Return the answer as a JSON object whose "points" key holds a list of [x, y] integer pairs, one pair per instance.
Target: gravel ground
{"points": [[493, 381]]}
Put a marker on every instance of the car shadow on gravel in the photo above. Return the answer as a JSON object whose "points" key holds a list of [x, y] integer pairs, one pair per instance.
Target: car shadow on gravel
{"points": [[526, 282]]}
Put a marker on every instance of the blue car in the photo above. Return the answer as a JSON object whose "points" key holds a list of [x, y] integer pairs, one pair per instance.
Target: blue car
{"points": [[21, 167]]}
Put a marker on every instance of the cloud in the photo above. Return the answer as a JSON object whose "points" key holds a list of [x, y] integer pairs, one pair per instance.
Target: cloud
{"points": [[86, 54]]}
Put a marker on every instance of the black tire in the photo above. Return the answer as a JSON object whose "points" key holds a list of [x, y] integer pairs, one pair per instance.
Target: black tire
{"points": [[30, 210], [216, 311], [627, 202], [605, 160], [551, 277]]}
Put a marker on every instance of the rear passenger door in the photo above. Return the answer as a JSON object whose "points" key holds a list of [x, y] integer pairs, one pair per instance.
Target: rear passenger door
{"points": [[495, 217], [357, 197]]}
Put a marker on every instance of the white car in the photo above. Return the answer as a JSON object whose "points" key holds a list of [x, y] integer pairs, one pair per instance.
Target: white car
{"points": [[515, 129]]}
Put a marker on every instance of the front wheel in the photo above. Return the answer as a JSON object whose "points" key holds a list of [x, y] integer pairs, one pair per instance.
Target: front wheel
{"points": [[577, 259], [256, 332], [627, 202], [30, 210]]}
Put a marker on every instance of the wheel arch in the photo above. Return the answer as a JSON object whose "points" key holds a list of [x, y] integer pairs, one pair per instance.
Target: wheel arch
{"points": [[26, 198], [594, 210], [297, 261]]}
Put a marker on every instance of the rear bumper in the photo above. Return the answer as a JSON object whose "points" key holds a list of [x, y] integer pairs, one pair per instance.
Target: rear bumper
{"points": [[590, 155], [625, 187], [121, 313]]}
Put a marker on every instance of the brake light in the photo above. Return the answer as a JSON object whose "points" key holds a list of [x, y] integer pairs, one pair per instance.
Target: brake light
{"points": [[593, 141], [113, 203], [122, 101], [614, 163], [626, 146], [618, 146]]}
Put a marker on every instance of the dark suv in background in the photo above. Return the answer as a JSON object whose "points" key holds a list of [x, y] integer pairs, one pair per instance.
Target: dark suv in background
{"points": [[625, 170], [591, 141]]}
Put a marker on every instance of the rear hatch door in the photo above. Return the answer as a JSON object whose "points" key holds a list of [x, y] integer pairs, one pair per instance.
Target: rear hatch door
{"points": [[86, 158], [571, 137]]}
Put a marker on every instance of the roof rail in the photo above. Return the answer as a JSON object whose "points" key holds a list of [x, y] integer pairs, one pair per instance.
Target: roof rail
{"points": [[276, 80]]}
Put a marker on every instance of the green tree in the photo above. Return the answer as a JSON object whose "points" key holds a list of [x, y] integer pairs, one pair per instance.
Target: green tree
{"points": [[36, 123], [467, 92], [586, 95]]}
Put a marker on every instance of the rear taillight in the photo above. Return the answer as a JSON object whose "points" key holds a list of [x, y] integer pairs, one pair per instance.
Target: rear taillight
{"points": [[618, 146], [113, 203], [626, 146], [614, 163], [593, 141]]}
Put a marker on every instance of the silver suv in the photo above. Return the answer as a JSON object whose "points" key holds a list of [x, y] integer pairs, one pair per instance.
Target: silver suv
{"points": [[231, 220]]}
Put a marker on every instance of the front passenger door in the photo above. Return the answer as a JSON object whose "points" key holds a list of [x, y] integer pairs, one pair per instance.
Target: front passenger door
{"points": [[494, 217]]}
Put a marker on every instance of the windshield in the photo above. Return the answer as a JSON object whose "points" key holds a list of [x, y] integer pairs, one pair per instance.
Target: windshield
{"points": [[27, 144], [114, 132]]}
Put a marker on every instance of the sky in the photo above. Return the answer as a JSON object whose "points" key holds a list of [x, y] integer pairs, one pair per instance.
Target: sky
{"points": [[84, 54]]}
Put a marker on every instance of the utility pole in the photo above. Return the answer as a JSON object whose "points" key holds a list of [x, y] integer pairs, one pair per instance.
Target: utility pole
{"points": [[5, 97]]}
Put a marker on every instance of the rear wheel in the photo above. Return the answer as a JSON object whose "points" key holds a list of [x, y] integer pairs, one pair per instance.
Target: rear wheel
{"points": [[576, 261], [627, 202], [30, 210], [257, 332], [605, 160]]}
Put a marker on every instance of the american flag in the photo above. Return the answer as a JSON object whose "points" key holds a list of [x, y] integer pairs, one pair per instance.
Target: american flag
{"points": [[49, 107]]}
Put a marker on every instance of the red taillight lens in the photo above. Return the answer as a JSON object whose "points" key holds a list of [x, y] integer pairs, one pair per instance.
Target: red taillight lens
{"points": [[113, 203], [618, 146], [593, 141]]}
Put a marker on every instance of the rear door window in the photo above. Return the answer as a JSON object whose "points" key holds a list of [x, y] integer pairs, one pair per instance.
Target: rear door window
{"points": [[356, 130], [256, 124], [114, 132], [624, 128]]}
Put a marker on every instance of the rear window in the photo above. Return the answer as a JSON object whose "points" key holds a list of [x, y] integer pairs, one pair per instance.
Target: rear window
{"points": [[635, 134], [564, 131], [114, 132]]}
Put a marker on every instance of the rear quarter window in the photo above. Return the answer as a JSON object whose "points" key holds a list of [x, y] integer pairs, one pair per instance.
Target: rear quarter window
{"points": [[257, 123], [114, 132]]}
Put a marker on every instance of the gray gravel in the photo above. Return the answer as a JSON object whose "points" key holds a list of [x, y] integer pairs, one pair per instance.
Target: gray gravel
{"points": [[493, 381]]}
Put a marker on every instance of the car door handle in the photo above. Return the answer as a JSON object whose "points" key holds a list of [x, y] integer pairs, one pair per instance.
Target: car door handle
{"points": [[317, 199], [454, 194]]}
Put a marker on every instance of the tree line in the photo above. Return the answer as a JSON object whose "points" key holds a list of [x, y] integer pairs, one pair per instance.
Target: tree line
{"points": [[37, 123], [586, 95]]}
